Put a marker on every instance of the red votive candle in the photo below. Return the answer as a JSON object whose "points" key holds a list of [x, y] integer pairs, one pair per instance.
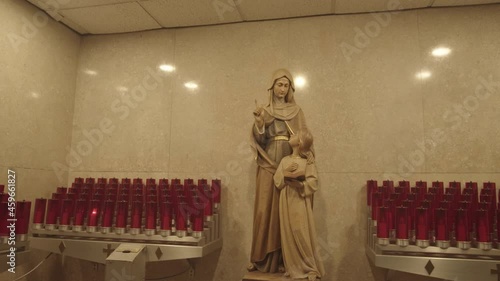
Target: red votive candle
{"points": [[438, 184], [202, 182], [205, 196], [421, 184], [151, 210], [67, 209], [138, 197], [401, 192], [422, 223], [93, 216], [107, 218], [401, 223], [376, 199], [111, 197], [188, 198], [166, 215], [471, 185], [102, 180], [180, 219], [4, 216], [197, 219], [422, 226], [79, 180], [77, 186], [462, 225], [39, 213], [483, 226], [150, 181], [80, 212], [383, 226], [137, 181], [391, 220], [122, 197], [52, 213], [174, 198], [23, 209], [136, 217], [389, 185], [62, 190], [216, 190], [126, 181], [498, 220], [72, 196], [163, 181], [121, 214], [209, 211], [90, 180], [114, 181], [442, 227], [4, 197], [404, 184]]}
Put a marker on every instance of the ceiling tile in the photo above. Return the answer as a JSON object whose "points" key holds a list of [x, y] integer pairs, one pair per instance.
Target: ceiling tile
{"points": [[359, 6], [438, 3], [67, 4], [172, 13], [353, 6], [76, 27], [412, 4], [272, 9], [125, 17]]}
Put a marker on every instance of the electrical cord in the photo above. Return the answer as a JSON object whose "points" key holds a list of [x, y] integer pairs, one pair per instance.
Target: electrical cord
{"points": [[26, 274]]}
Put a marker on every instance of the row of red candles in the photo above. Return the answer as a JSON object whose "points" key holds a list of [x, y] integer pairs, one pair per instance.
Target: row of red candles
{"points": [[100, 202], [434, 210], [21, 215]]}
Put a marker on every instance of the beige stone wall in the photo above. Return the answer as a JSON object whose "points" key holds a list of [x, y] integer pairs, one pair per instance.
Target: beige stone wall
{"points": [[38, 63], [371, 116]]}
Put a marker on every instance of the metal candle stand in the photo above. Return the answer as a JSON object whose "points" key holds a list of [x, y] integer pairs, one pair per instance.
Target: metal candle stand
{"points": [[125, 249], [476, 258], [14, 244]]}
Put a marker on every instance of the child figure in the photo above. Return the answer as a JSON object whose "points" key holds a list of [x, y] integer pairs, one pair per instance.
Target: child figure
{"points": [[296, 177]]}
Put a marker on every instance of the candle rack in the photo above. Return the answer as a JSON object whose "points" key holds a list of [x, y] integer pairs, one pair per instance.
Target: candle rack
{"points": [[127, 225], [468, 251]]}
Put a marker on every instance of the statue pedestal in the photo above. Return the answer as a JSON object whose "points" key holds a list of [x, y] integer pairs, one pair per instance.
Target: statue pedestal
{"points": [[259, 276]]}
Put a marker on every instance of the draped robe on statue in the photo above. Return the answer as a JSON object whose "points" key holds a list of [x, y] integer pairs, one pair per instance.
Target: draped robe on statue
{"points": [[271, 145], [298, 233]]}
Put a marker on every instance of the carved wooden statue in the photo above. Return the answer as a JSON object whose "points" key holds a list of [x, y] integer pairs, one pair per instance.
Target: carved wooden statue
{"points": [[274, 123], [297, 179]]}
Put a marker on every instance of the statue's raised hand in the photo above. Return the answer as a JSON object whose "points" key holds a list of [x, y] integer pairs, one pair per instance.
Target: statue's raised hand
{"points": [[258, 114]]}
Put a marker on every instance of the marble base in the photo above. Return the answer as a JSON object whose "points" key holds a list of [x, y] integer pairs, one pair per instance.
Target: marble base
{"points": [[259, 276]]}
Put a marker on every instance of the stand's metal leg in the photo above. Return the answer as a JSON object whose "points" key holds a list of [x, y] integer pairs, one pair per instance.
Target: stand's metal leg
{"points": [[126, 263]]}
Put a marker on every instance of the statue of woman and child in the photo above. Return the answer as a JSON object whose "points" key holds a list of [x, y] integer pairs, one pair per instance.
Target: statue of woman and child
{"points": [[284, 235]]}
